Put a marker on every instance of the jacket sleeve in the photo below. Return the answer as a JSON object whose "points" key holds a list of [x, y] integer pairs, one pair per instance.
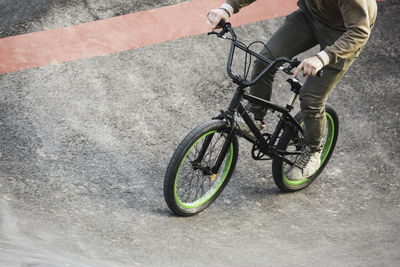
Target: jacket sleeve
{"points": [[358, 19], [238, 4]]}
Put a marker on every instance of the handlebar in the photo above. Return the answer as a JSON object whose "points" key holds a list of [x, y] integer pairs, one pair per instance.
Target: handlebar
{"points": [[225, 28]]}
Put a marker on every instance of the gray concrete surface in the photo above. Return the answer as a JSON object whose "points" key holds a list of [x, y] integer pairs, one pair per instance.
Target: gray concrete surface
{"points": [[84, 146], [22, 16]]}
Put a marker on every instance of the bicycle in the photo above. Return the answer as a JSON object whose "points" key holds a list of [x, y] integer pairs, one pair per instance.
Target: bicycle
{"points": [[204, 161]]}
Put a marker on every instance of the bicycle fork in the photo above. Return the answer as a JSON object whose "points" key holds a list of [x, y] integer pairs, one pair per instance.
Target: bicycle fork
{"points": [[229, 117]]}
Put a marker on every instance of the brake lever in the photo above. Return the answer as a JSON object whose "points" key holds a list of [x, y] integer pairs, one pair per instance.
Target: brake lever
{"points": [[219, 34], [222, 24], [288, 70]]}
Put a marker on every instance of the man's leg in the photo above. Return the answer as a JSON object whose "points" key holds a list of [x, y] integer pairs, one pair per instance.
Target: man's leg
{"points": [[293, 37], [313, 96], [316, 90]]}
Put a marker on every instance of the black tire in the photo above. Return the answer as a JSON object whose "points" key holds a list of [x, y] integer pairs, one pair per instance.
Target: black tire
{"points": [[180, 166], [291, 140]]}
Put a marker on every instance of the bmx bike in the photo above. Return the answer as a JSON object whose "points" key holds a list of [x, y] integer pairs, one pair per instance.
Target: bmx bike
{"points": [[204, 161]]}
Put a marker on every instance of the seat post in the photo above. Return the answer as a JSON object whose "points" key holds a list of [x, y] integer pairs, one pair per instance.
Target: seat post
{"points": [[292, 100], [295, 88]]}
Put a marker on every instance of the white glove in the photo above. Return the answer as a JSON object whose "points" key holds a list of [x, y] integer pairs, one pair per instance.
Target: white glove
{"points": [[216, 15]]}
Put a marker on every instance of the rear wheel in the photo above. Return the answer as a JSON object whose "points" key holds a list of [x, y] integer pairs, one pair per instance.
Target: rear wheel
{"points": [[189, 185], [293, 141]]}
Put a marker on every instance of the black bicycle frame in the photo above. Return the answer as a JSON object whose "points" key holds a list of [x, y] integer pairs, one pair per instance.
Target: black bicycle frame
{"points": [[268, 148], [286, 120]]}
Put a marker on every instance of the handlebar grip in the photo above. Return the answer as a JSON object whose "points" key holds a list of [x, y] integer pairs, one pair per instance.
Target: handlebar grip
{"points": [[222, 23], [295, 63]]}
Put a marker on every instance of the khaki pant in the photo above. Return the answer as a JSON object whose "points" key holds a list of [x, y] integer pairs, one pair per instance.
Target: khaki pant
{"points": [[299, 33]]}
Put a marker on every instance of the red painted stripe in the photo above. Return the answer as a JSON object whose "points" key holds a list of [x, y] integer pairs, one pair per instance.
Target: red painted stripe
{"points": [[124, 33]]}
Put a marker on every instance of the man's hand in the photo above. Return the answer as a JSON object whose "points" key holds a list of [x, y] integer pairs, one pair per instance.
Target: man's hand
{"points": [[310, 66], [215, 16]]}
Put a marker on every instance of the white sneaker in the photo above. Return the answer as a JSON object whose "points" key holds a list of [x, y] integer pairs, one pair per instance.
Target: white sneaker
{"points": [[244, 128], [305, 166]]}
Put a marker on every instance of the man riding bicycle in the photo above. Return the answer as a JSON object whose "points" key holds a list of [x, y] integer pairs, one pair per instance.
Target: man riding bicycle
{"points": [[341, 28]]}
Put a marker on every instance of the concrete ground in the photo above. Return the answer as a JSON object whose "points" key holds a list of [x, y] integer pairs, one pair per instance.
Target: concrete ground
{"points": [[85, 144]]}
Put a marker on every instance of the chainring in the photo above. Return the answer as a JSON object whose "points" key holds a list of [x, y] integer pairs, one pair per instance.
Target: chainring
{"points": [[256, 152]]}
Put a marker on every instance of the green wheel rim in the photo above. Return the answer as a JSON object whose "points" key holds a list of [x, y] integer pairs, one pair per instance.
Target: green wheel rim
{"points": [[324, 154], [214, 189]]}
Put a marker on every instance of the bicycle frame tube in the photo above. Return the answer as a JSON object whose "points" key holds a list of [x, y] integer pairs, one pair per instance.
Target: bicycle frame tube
{"points": [[265, 146], [269, 105]]}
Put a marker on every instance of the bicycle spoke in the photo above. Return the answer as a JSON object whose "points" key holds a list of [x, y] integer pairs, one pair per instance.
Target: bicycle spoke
{"points": [[182, 186], [211, 152], [185, 180], [212, 148], [195, 146], [189, 191], [197, 187]]}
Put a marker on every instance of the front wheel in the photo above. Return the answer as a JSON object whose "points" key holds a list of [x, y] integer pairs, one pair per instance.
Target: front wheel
{"points": [[293, 141], [190, 186]]}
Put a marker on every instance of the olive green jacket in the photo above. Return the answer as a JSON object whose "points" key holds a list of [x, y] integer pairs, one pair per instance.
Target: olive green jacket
{"points": [[354, 17]]}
